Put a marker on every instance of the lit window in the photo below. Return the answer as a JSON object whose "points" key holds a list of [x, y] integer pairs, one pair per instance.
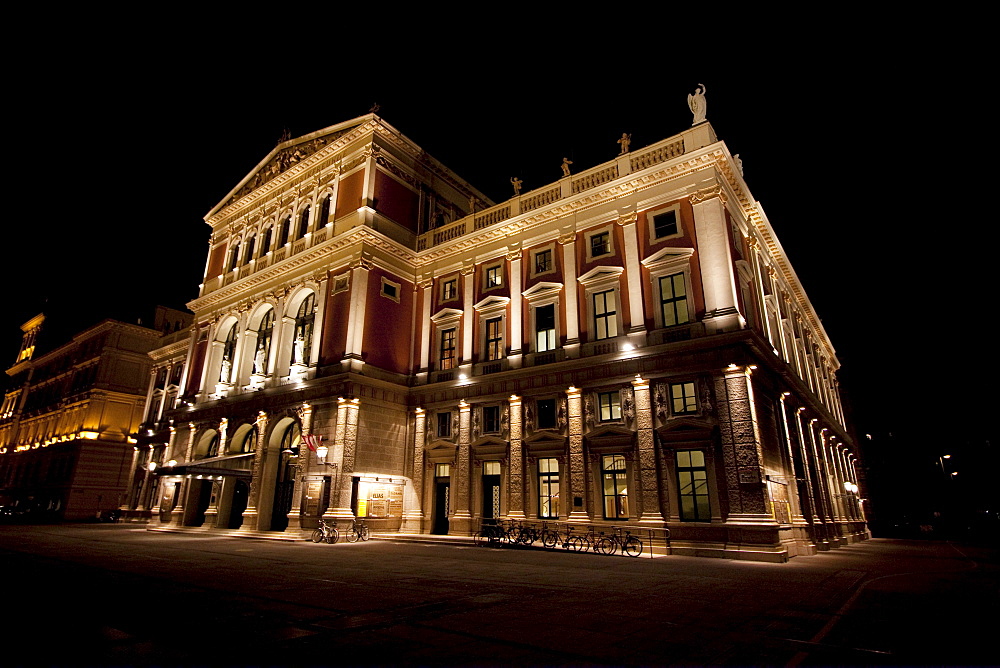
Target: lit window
{"points": [[548, 488], [447, 355], [605, 315], [600, 244], [692, 486], [442, 470], [683, 398], [665, 224], [610, 406], [494, 277], [545, 328], [673, 300], [494, 339], [615, 487]]}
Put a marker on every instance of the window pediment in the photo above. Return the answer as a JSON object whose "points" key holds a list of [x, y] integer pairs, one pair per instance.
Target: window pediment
{"points": [[543, 290], [668, 257], [685, 431], [446, 315], [601, 274], [492, 303], [611, 435]]}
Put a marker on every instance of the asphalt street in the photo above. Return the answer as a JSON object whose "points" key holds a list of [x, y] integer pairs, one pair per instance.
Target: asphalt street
{"points": [[121, 595]]}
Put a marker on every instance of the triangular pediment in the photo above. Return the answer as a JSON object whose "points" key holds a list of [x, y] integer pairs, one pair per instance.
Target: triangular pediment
{"points": [[686, 430], [603, 273], [542, 290], [492, 302], [611, 435], [446, 314], [668, 256]]}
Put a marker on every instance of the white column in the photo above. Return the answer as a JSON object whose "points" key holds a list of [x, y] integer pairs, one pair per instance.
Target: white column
{"points": [[516, 328], [715, 259], [356, 317], [317, 338], [568, 242], [633, 278], [427, 298], [468, 298]]}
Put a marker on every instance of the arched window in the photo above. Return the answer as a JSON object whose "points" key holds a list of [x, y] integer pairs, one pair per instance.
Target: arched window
{"points": [[291, 439], [228, 355], [249, 253], [324, 213], [283, 231], [249, 441], [234, 257], [302, 339], [303, 223], [265, 244], [263, 352]]}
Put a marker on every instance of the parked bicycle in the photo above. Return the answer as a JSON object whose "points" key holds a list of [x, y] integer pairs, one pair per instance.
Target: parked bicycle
{"points": [[491, 533], [620, 539], [326, 532], [357, 531]]}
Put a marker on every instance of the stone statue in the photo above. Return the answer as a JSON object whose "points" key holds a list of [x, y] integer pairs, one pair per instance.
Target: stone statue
{"points": [[516, 182], [739, 163], [697, 104], [298, 352], [227, 368], [625, 141], [565, 166], [258, 359]]}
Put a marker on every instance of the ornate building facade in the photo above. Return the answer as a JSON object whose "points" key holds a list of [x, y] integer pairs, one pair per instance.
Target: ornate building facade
{"points": [[628, 345], [67, 421]]}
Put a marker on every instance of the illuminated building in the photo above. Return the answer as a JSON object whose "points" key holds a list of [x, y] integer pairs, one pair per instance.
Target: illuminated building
{"points": [[66, 421], [628, 345]]}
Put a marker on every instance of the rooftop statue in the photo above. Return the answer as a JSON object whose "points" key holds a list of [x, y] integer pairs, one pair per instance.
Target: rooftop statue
{"points": [[625, 141], [698, 105], [565, 166], [516, 182]]}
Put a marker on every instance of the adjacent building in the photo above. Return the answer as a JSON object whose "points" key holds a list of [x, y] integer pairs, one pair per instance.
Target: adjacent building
{"points": [[626, 346], [67, 420]]}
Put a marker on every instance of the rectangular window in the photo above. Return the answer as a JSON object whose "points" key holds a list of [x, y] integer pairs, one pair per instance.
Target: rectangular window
{"points": [[615, 487], [444, 424], [605, 316], [494, 339], [673, 300], [442, 470], [491, 419], [683, 398], [545, 328], [447, 356], [543, 261], [449, 289], [692, 486], [546, 413], [665, 224], [600, 244], [610, 406], [491, 468], [548, 488], [494, 277]]}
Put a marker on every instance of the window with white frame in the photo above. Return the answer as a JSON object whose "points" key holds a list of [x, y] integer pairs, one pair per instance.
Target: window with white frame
{"points": [[665, 223], [491, 419], [670, 271], [599, 244], [449, 289], [493, 277], [446, 350], [543, 302], [390, 289], [444, 424], [494, 339], [615, 487], [602, 289], [692, 486], [543, 260], [605, 315], [548, 488], [545, 328]]}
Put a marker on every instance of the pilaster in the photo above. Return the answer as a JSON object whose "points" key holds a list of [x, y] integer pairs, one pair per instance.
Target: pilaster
{"points": [[577, 463], [461, 520], [645, 463], [515, 467]]}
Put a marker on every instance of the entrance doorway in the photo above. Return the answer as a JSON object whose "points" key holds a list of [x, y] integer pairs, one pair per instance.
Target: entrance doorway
{"points": [[241, 495], [442, 498], [204, 499], [491, 490]]}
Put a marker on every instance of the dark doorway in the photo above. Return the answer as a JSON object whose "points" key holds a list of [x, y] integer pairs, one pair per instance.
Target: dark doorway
{"points": [[241, 495], [283, 489], [442, 492], [204, 498]]}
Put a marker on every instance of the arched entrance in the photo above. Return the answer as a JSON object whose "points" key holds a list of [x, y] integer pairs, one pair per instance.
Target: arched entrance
{"points": [[284, 484]]}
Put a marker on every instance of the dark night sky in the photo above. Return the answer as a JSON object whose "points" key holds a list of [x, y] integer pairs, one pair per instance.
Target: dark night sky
{"points": [[856, 145]]}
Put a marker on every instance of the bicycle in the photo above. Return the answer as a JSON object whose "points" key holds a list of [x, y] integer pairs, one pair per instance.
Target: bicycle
{"points": [[358, 530], [490, 533], [326, 532], [582, 542], [628, 544]]}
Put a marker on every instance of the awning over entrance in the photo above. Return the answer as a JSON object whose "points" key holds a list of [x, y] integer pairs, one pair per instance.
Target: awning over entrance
{"points": [[238, 466]]}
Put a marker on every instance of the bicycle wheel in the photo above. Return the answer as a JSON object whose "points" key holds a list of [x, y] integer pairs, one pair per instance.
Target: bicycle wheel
{"points": [[317, 536], [480, 539], [352, 535], [578, 544], [365, 535], [605, 546], [632, 546], [333, 536], [550, 540]]}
